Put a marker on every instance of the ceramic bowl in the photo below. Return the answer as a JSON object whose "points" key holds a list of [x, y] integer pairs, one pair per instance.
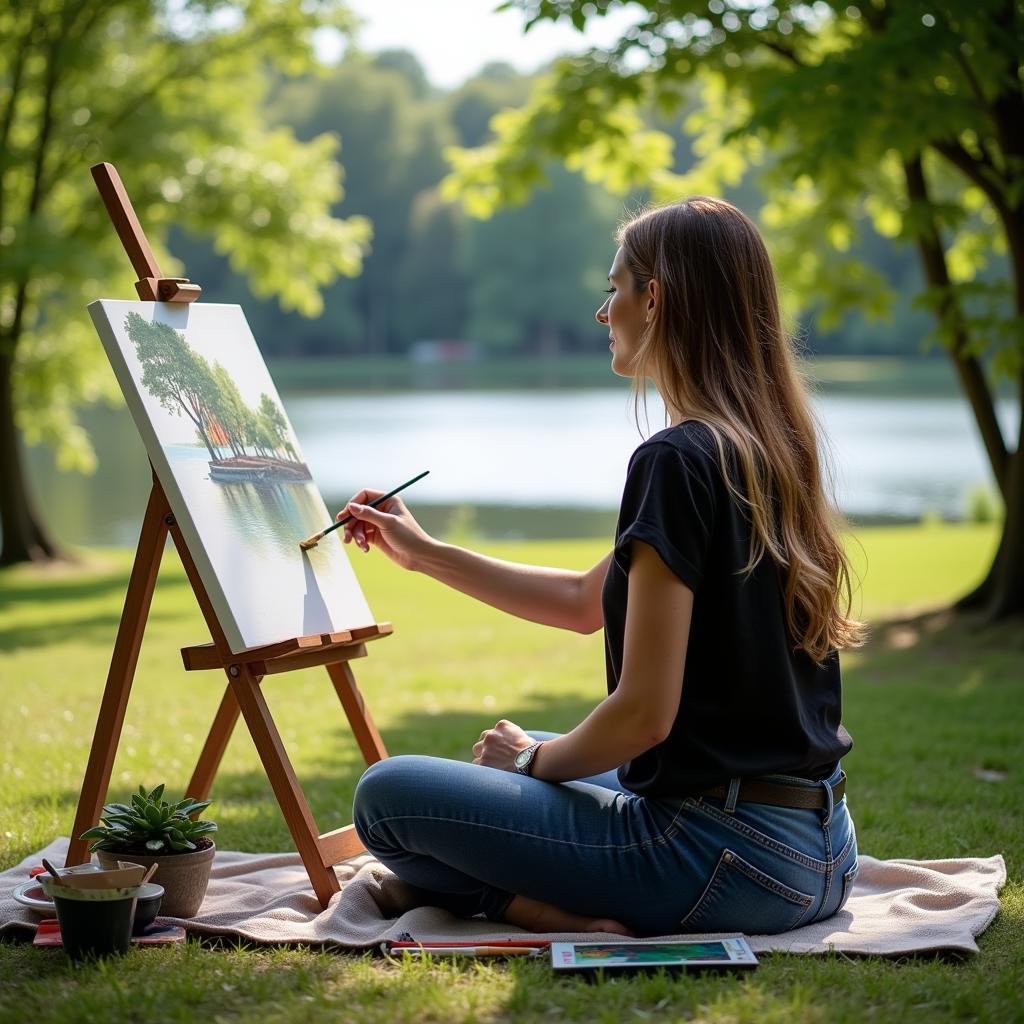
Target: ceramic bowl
{"points": [[147, 906]]}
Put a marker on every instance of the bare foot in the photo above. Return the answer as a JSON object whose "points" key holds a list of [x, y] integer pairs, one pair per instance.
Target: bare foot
{"points": [[535, 916]]}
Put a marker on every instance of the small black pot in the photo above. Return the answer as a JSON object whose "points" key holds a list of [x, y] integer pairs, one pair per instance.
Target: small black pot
{"points": [[90, 927]]}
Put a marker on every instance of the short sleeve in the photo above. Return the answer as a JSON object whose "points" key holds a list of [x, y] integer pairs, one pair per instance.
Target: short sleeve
{"points": [[668, 502]]}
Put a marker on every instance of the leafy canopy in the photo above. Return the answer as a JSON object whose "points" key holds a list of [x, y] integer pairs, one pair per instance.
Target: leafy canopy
{"points": [[171, 93], [823, 101]]}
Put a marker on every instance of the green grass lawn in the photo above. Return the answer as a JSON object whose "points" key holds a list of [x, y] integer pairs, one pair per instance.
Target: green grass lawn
{"points": [[929, 701]]}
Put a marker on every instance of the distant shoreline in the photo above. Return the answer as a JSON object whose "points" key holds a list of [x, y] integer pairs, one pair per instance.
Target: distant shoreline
{"points": [[881, 375], [533, 522]]}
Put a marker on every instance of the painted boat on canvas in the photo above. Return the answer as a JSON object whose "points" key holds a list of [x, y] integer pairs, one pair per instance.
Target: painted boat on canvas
{"points": [[255, 468]]}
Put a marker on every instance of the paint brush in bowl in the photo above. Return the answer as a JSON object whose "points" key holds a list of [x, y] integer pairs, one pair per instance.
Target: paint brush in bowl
{"points": [[311, 542]]}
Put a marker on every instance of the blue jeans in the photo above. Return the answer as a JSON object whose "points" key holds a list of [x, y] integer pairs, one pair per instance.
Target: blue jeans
{"points": [[471, 837]]}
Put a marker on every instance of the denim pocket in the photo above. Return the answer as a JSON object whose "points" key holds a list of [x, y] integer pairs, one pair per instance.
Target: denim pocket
{"points": [[848, 879], [742, 898]]}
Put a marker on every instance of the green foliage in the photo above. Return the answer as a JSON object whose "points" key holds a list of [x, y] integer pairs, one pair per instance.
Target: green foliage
{"points": [[392, 139], [237, 420], [172, 95], [150, 823], [433, 273], [537, 272], [476, 101], [823, 103], [983, 505]]}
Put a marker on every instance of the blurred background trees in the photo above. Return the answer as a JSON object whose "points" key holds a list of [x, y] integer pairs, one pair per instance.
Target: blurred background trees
{"points": [[173, 95], [855, 120], [231, 138]]}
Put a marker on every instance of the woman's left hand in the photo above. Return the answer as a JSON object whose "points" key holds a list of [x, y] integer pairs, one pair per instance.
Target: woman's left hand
{"points": [[498, 747]]}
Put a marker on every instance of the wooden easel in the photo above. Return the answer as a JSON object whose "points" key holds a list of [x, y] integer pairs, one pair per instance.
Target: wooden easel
{"points": [[245, 670]]}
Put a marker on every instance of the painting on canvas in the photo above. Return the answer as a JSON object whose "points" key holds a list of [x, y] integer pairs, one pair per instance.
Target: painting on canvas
{"points": [[226, 456]]}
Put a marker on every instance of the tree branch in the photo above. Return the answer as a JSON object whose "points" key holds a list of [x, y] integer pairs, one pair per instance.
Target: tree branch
{"points": [[1012, 218], [38, 194], [1009, 104], [56, 44], [973, 168], [73, 156], [141, 97], [783, 51], [972, 80], [8, 116]]}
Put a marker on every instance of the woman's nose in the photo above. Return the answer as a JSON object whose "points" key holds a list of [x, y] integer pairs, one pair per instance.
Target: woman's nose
{"points": [[601, 316]]}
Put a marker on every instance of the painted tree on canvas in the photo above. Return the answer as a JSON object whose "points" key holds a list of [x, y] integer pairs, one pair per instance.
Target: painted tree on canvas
{"points": [[230, 409], [184, 383], [175, 376], [274, 425]]}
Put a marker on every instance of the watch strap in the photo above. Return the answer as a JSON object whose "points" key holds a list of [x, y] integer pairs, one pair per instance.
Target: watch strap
{"points": [[531, 752]]}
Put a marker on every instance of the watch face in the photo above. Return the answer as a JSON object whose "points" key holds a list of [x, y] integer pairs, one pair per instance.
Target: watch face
{"points": [[522, 757]]}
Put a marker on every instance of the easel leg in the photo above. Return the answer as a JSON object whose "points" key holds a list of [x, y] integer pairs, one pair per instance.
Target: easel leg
{"points": [[213, 749], [359, 718], [282, 779], [122, 670]]}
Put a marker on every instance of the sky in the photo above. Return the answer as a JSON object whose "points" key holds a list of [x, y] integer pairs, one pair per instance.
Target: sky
{"points": [[453, 39]]}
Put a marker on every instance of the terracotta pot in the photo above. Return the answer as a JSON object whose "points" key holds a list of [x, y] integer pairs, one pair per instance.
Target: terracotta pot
{"points": [[184, 876]]}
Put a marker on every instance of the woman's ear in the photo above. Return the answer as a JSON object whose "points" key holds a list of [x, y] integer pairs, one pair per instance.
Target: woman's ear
{"points": [[653, 291]]}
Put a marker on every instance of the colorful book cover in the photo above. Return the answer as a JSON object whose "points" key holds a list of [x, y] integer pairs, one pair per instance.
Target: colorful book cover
{"points": [[726, 952], [156, 934]]}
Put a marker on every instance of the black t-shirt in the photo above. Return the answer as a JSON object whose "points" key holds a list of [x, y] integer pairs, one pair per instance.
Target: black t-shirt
{"points": [[750, 704]]}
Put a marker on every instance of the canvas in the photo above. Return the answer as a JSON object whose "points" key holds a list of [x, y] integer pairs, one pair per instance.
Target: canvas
{"points": [[232, 469]]}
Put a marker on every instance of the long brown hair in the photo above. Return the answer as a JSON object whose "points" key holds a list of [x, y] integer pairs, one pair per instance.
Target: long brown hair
{"points": [[717, 351]]}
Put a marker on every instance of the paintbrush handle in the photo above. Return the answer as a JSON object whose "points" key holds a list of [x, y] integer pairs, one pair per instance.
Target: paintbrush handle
{"points": [[310, 542], [375, 503]]}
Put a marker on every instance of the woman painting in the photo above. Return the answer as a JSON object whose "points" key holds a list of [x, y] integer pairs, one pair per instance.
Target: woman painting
{"points": [[704, 792]]}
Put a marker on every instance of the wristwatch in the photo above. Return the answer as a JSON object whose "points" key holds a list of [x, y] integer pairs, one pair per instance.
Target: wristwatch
{"points": [[524, 759]]}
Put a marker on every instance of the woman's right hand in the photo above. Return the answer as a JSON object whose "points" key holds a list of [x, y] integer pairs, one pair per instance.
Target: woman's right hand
{"points": [[389, 527]]}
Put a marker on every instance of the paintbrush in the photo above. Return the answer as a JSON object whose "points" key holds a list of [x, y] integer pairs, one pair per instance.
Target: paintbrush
{"points": [[311, 542]]}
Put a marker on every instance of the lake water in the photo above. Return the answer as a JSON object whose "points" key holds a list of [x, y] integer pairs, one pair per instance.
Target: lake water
{"points": [[535, 463]]}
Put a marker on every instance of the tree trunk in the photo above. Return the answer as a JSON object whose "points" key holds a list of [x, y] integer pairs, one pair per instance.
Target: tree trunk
{"points": [[1007, 596], [25, 539], [1001, 593]]}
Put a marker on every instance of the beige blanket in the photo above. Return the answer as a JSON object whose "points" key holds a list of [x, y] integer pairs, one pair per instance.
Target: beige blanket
{"points": [[897, 907]]}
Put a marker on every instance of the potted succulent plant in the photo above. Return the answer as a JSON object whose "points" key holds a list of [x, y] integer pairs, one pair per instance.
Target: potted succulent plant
{"points": [[151, 830]]}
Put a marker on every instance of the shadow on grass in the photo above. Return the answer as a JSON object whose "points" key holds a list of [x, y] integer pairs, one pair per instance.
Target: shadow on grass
{"points": [[54, 591], [935, 705], [940, 632], [246, 809], [68, 593], [928, 701], [240, 982]]}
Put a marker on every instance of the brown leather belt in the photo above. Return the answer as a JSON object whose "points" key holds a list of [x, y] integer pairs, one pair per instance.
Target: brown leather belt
{"points": [[757, 791]]}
